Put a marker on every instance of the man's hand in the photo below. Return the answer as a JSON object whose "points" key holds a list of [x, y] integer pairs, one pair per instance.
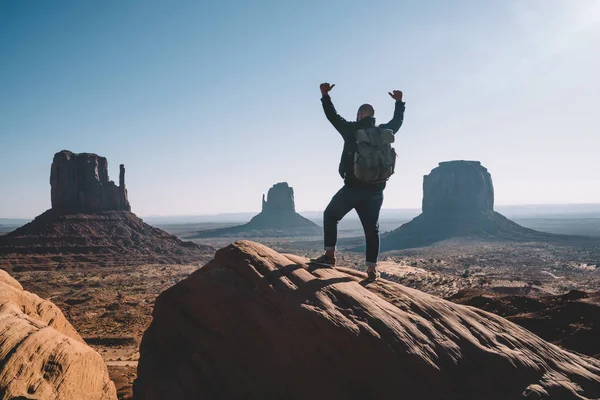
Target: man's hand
{"points": [[396, 95], [325, 88]]}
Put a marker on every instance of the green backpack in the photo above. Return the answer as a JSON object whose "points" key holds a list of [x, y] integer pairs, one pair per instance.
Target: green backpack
{"points": [[375, 160]]}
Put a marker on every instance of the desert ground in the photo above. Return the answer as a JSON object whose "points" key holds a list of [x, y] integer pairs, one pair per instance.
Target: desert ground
{"points": [[111, 307]]}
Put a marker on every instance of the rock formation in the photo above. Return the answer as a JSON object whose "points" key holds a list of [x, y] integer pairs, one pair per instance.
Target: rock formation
{"points": [[79, 183], [280, 199], [256, 324], [90, 223], [42, 356], [278, 217], [458, 201], [458, 186]]}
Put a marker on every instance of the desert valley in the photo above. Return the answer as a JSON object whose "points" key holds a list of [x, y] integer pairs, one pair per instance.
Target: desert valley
{"points": [[117, 289]]}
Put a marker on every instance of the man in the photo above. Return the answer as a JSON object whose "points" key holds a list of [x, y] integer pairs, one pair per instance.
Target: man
{"points": [[365, 198]]}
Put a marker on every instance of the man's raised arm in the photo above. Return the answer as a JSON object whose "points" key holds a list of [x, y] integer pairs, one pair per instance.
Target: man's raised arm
{"points": [[336, 120], [396, 121]]}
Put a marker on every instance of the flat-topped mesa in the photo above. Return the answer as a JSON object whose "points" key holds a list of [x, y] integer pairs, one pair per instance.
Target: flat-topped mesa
{"points": [[80, 183], [280, 198], [458, 187], [458, 202]]}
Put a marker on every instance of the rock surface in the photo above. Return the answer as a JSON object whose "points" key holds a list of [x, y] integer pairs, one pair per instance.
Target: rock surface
{"points": [[458, 186], [571, 320], [458, 202], [80, 183], [278, 217], [257, 324], [42, 356]]}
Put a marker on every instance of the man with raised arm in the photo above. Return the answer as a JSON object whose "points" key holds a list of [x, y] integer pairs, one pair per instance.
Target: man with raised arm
{"points": [[367, 162]]}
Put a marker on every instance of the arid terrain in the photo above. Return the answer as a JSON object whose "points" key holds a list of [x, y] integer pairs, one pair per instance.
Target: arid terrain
{"points": [[109, 307], [532, 284], [270, 322]]}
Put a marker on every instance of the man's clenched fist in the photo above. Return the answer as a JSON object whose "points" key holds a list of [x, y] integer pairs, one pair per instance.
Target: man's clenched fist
{"points": [[396, 95], [325, 88]]}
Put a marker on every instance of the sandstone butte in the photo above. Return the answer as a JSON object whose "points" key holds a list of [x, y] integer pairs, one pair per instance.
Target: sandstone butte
{"points": [[277, 217], [256, 324], [458, 202], [41, 355], [91, 224]]}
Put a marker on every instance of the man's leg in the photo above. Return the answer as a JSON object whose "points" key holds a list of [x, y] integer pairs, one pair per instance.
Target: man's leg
{"points": [[368, 212], [340, 205]]}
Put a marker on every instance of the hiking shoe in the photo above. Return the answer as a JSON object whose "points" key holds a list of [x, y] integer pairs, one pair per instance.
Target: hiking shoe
{"points": [[324, 260], [372, 275]]}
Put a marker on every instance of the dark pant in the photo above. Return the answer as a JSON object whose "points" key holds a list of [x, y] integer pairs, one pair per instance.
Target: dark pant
{"points": [[367, 204]]}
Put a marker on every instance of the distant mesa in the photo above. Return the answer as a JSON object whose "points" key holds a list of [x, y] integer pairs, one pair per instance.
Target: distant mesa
{"points": [[91, 223], [278, 217], [79, 183], [456, 187], [257, 324], [458, 201], [280, 199]]}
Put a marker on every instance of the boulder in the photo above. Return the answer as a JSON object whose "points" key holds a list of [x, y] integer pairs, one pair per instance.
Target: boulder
{"points": [[256, 324], [42, 356]]}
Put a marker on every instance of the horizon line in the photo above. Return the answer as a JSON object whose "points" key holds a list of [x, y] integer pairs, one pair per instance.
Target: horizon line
{"points": [[320, 211]]}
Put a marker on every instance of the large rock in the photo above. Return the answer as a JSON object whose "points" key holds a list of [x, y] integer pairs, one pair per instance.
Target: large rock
{"points": [[278, 217], [255, 324], [458, 202], [41, 355], [280, 199], [90, 224], [458, 186], [80, 183]]}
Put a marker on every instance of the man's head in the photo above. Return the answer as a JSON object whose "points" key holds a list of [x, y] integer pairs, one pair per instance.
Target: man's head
{"points": [[366, 110]]}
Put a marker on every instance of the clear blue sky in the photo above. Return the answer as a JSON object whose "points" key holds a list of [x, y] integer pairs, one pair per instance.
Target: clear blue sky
{"points": [[208, 104]]}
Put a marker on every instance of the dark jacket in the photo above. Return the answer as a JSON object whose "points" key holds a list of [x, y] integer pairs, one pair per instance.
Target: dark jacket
{"points": [[347, 129]]}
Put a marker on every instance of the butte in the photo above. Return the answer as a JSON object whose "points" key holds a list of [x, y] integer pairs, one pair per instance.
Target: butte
{"points": [[277, 218], [458, 202], [91, 224]]}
